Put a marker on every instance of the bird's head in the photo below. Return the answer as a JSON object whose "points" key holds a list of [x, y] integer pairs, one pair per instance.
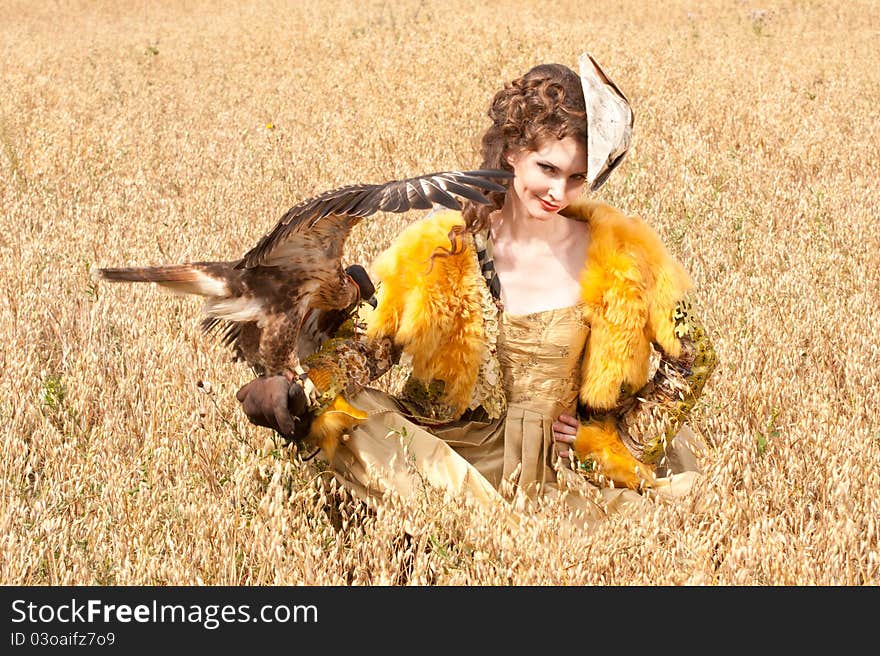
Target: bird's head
{"points": [[365, 286]]}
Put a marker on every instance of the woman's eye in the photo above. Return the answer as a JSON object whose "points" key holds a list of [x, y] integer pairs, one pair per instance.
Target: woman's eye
{"points": [[546, 167], [579, 178]]}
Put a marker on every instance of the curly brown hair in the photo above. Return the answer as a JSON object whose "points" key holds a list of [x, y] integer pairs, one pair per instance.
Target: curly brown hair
{"points": [[548, 101]]}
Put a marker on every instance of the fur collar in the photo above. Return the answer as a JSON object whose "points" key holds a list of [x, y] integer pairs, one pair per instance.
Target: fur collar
{"points": [[432, 308], [630, 285]]}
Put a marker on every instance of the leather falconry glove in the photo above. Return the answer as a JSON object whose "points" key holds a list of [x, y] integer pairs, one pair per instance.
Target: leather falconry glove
{"points": [[273, 402]]}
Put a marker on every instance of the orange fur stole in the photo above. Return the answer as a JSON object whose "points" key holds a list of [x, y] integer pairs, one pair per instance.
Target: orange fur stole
{"points": [[630, 285]]}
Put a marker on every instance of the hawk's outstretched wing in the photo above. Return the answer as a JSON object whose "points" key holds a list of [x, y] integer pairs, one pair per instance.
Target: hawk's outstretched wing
{"points": [[332, 214]]}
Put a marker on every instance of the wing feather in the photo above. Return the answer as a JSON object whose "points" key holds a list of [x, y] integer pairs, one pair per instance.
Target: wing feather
{"points": [[394, 198], [417, 197], [335, 206], [358, 201], [364, 205], [437, 194], [454, 187], [316, 250]]}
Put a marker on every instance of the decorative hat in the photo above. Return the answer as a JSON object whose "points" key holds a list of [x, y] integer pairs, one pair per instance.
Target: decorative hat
{"points": [[609, 122]]}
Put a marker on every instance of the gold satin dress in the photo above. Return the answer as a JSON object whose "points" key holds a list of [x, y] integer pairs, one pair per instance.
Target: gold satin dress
{"points": [[510, 459]]}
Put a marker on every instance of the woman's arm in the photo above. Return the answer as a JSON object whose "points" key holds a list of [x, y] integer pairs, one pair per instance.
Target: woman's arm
{"points": [[653, 415], [341, 367], [624, 441], [344, 365]]}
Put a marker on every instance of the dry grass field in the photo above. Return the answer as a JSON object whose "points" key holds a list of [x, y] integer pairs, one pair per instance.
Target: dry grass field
{"points": [[145, 132]]}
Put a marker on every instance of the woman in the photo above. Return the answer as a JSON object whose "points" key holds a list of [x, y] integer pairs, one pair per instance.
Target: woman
{"points": [[548, 336]]}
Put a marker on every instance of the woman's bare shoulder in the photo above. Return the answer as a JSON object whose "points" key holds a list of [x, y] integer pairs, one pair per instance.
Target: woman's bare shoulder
{"points": [[577, 245]]}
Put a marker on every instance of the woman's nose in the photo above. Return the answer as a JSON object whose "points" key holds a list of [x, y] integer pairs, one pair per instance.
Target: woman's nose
{"points": [[555, 190]]}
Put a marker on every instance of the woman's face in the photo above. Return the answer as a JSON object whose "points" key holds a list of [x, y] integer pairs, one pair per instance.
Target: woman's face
{"points": [[550, 177]]}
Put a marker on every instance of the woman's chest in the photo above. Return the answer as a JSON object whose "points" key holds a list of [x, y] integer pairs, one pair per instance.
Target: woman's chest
{"points": [[536, 282]]}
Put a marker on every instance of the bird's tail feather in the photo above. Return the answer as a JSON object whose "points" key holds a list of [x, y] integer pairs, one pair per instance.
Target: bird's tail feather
{"points": [[179, 278]]}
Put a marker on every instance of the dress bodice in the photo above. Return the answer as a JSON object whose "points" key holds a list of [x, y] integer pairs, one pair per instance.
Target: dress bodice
{"points": [[540, 354]]}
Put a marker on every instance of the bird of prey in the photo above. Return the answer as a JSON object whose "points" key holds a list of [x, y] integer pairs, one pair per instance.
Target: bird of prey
{"points": [[274, 305]]}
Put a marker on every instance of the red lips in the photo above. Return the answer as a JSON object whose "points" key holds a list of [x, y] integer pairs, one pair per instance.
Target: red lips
{"points": [[548, 207]]}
